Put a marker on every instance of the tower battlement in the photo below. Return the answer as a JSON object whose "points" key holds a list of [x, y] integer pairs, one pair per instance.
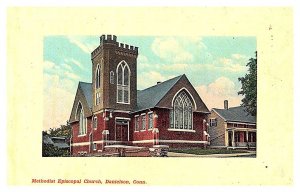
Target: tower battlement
{"points": [[112, 41]]}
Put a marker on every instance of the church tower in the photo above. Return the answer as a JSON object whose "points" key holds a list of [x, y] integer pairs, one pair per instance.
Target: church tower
{"points": [[114, 75]]}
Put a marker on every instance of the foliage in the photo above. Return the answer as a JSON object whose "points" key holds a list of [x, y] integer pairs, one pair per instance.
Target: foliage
{"points": [[53, 151], [62, 131], [49, 150], [249, 87]]}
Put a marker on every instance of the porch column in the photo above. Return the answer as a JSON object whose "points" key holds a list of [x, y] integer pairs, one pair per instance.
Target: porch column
{"points": [[233, 139], [105, 134]]}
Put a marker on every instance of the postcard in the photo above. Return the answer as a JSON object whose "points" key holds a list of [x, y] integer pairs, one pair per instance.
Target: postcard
{"points": [[142, 96]]}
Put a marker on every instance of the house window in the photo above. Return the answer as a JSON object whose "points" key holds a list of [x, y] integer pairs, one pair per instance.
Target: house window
{"points": [[112, 77], [213, 122], [181, 116], [136, 126], [143, 122], [97, 98], [123, 83], [95, 122], [98, 76], [150, 120], [82, 120], [94, 146]]}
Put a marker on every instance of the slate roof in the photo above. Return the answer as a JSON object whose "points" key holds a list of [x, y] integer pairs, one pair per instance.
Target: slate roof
{"points": [[61, 144], [47, 140], [150, 97], [87, 92], [147, 98], [236, 114]]}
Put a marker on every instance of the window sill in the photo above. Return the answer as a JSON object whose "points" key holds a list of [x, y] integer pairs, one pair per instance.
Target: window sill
{"points": [[81, 135], [183, 130], [143, 130], [123, 103]]}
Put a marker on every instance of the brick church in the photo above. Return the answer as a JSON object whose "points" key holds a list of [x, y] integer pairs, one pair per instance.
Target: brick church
{"points": [[111, 111]]}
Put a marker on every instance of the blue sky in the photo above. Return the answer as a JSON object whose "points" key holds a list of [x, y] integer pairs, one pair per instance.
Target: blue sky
{"points": [[212, 64]]}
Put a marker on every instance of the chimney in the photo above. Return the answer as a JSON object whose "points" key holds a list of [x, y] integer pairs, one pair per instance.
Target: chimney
{"points": [[158, 82], [226, 104]]}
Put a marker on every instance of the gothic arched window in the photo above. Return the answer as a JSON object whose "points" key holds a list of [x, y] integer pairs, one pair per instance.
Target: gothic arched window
{"points": [[82, 119], [181, 116], [98, 76], [123, 83]]}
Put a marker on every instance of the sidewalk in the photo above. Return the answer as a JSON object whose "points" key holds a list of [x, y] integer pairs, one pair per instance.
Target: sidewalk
{"points": [[250, 154]]}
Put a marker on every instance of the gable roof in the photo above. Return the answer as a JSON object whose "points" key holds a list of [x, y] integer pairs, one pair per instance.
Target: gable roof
{"points": [[87, 92], [236, 114], [150, 97]]}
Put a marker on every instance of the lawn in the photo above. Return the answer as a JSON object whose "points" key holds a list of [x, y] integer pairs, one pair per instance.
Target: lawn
{"points": [[199, 151]]}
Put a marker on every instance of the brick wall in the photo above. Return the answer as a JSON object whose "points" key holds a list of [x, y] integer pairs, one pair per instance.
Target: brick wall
{"points": [[109, 54]]}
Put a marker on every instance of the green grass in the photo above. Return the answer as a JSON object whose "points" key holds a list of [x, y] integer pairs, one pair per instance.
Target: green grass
{"points": [[198, 151]]}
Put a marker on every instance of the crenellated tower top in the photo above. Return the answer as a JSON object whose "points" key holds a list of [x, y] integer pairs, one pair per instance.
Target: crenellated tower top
{"points": [[111, 40]]}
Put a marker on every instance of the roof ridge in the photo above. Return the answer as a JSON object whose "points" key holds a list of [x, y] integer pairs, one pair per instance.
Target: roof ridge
{"points": [[163, 82], [84, 82], [228, 108]]}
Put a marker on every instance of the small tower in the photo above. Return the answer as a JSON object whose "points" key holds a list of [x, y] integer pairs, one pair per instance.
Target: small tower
{"points": [[114, 75]]}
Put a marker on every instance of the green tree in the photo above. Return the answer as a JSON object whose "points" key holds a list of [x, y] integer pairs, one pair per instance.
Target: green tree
{"points": [[62, 131], [249, 87]]}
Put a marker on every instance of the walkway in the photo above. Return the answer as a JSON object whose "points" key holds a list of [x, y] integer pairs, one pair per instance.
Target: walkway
{"points": [[249, 154]]}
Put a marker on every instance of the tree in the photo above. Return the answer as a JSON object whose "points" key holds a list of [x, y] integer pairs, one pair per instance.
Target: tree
{"points": [[249, 87], [49, 150]]}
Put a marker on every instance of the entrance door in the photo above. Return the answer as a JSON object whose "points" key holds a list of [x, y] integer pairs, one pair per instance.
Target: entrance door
{"points": [[122, 131], [229, 138]]}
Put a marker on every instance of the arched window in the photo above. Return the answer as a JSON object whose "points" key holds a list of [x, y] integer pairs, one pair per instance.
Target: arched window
{"points": [[82, 119], [181, 116], [112, 77], [97, 76], [123, 83]]}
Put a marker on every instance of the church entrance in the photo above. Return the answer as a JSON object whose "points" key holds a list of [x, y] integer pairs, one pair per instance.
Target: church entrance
{"points": [[122, 131]]}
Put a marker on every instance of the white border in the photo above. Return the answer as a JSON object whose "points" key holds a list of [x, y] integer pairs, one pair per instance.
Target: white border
{"points": [[3, 101]]}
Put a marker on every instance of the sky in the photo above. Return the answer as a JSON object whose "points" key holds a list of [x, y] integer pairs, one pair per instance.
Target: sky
{"points": [[212, 64]]}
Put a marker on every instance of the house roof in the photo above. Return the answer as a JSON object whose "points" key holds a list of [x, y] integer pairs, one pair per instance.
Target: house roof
{"points": [[51, 141], [61, 145], [87, 92], [236, 114], [47, 140], [146, 99], [150, 97]]}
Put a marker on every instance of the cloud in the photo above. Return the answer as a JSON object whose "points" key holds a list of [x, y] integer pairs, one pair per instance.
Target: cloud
{"points": [[48, 65], [142, 59], [74, 62], [150, 78], [238, 56], [171, 49], [58, 100], [71, 75], [68, 67], [176, 66], [52, 68], [82, 44], [216, 92]]}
